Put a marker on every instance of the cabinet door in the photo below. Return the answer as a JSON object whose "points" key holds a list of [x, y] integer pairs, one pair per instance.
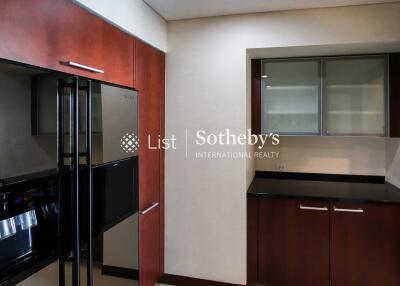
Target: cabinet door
{"points": [[293, 243], [365, 245], [290, 101], [53, 32], [394, 94], [148, 81], [355, 96], [149, 229], [252, 240]]}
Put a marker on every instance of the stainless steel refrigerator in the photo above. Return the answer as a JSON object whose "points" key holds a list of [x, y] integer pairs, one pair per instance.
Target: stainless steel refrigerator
{"points": [[68, 180]]}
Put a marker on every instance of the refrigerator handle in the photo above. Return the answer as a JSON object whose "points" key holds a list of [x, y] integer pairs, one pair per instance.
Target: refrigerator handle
{"points": [[75, 195], [60, 122], [89, 182]]}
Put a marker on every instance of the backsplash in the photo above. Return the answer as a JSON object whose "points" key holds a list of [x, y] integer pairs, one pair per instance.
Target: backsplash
{"points": [[338, 155], [393, 161]]}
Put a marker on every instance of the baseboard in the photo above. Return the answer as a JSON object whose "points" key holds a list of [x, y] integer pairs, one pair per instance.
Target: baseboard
{"points": [[120, 272], [177, 280]]}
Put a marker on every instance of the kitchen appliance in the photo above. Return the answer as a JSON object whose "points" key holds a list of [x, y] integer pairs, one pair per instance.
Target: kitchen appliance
{"points": [[68, 179], [28, 226]]}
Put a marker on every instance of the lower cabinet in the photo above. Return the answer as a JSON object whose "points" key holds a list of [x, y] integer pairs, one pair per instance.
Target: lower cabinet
{"points": [[293, 243], [365, 245], [304, 243]]}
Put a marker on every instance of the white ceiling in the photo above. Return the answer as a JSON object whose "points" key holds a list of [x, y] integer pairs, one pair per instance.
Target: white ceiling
{"points": [[186, 9]]}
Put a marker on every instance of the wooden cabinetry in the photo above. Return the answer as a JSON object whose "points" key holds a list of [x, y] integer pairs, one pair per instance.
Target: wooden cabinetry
{"points": [[50, 33], [293, 242], [321, 243], [365, 245], [394, 94], [149, 81]]}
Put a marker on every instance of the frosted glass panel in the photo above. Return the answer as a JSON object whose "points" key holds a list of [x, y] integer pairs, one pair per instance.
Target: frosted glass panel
{"points": [[354, 96], [290, 97]]}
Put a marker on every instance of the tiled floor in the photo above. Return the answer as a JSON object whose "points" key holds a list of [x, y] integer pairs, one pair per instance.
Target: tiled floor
{"points": [[49, 277]]}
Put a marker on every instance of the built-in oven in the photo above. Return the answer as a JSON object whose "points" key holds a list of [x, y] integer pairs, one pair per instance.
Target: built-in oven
{"points": [[29, 214]]}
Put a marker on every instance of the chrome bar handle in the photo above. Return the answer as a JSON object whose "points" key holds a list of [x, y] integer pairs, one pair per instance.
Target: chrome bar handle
{"points": [[61, 151], [89, 181], [84, 67], [314, 208], [151, 207], [76, 180], [359, 210]]}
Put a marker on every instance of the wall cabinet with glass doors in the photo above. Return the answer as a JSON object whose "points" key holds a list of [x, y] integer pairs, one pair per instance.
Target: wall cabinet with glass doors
{"points": [[330, 96]]}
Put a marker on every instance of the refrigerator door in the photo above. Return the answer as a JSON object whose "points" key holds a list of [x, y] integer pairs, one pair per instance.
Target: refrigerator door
{"points": [[114, 123], [84, 135], [115, 145]]}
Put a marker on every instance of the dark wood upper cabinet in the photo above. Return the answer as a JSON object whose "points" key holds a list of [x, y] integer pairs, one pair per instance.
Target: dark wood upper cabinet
{"points": [[394, 95], [365, 247], [49, 33], [293, 243], [256, 96]]}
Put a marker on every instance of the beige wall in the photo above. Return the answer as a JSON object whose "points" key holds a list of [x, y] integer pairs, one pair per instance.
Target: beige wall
{"points": [[207, 88], [393, 161], [339, 155]]}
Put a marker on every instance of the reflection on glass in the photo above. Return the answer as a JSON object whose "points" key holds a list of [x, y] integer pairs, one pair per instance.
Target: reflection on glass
{"points": [[114, 114], [290, 97], [25, 145], [355, 96]]}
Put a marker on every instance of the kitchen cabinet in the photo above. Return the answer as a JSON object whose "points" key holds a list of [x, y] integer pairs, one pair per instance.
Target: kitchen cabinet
{"points": [[394, 94], [150, 81], [53, 32], [365, 245], [252, 240], [326, 96], [290, 99], [298, 242], [355, 96], [293, 238]]}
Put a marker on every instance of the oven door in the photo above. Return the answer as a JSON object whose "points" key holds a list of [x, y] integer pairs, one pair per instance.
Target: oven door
{"points": [[28, 227]]}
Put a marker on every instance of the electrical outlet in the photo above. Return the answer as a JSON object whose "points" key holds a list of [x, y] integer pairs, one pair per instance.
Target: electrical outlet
{"points": [[281, 167]]}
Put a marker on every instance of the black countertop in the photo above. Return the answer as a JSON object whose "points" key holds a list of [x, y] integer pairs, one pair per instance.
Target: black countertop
{"points": [[346, 188]]}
